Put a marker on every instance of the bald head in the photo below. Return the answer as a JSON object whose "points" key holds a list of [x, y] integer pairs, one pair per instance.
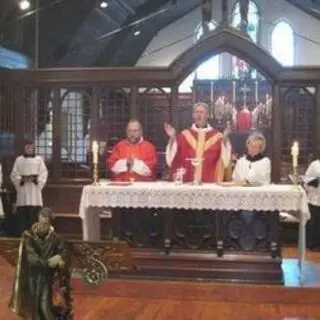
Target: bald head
{"points": [[200, 114], [134, 131]]}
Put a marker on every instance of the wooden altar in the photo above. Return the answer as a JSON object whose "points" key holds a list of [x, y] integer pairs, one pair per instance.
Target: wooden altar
{"points": [[192, 232]]}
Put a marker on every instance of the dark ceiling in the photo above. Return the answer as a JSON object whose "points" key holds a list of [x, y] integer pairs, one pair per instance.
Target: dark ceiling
{"points": [[81, 33]]}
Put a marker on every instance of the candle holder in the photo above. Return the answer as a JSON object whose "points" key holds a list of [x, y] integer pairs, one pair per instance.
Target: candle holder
{"points": [[178, 177], [95, 161], [295, 176], [196, 163], [295, 155], [95, 174]]}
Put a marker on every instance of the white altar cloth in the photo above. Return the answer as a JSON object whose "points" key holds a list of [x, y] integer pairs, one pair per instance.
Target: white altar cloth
{"points": [[187, 196], [162, 194]]}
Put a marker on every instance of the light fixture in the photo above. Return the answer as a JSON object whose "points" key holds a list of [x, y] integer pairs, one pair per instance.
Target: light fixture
{"points": [[103, 4], [24, 4], [136, 33]]}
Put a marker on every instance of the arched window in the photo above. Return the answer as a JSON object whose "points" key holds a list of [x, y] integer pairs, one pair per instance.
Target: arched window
{"points": [[209, 69], [253, 31], [282, 43], [253, 20]]}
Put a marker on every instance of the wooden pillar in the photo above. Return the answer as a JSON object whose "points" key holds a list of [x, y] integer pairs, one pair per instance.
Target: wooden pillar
{"points": [[174, 111], [56, 135], [225, 13], [276, 134], [316, 141], [134, 112], [20, 111]]}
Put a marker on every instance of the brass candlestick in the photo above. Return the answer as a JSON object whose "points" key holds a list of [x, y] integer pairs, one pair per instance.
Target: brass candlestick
{"points": [[95, 153], [295, 154], [95, 174], [295, 175]]}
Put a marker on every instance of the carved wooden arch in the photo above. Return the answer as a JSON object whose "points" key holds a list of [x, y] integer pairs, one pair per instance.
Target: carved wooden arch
{"points": [[226, 40]]}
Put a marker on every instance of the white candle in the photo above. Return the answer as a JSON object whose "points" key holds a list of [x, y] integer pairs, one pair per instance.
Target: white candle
{"points": [[95, 151], [295, 154]]}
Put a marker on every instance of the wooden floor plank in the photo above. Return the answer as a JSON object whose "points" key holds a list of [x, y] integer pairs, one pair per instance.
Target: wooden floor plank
{"points": [[121, 309], [181, 310], [148, 300], [150, 310]]}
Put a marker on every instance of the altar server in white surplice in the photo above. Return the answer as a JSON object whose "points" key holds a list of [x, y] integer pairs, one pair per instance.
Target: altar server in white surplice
{"points": [[313, 192], [253, 168], [29, 176]]}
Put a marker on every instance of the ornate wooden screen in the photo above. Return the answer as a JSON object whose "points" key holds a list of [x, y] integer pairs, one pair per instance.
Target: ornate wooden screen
{"points": [[298, 124], [154, 111]]}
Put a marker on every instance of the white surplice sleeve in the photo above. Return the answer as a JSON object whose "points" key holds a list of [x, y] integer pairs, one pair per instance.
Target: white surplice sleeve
{"points": [[171, 150], [15, 175], [43, 174], [236, 174], [255, 173], [140, 168], [226, 152], [120, 166], [260, 172], [313, 193]]}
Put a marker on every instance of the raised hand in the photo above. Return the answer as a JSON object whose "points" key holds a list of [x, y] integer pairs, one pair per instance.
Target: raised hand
{"points": [[170, 130]]}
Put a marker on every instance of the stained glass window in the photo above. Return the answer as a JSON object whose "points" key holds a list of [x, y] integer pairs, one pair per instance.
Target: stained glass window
{"points": [[239, 67], [282, 43]]}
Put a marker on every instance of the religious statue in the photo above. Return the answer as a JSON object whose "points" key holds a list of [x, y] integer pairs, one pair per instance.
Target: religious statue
{"points": [[206, 15], [207, 10], [42, 274], [244, 11]]}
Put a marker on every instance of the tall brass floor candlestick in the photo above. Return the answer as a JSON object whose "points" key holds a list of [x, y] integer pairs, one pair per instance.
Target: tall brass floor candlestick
{"points": [[295, 175], [295, 154], [95, 174], [95, 152]]}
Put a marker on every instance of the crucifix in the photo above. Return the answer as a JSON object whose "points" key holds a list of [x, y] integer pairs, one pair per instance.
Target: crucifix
{"points": [[245, 90]]}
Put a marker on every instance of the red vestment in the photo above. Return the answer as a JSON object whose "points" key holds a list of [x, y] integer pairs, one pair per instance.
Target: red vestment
{"points": [[244, 120], [143, 152], [205, 145]]}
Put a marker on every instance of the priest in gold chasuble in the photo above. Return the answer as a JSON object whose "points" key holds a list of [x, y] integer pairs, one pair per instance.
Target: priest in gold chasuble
{"points": [[208, 146]]}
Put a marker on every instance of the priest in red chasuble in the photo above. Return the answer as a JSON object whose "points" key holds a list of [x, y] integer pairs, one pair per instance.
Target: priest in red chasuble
{"points": [[133, 158], [202, 142]]}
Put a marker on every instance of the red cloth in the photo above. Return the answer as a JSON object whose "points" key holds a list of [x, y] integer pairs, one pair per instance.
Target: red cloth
{"points": [[244, 120], [189, 142], [143, 150]]}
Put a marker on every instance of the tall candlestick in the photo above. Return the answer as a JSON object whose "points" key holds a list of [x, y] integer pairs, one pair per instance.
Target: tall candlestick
{"points": [[295, 154], [95, 152]]}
